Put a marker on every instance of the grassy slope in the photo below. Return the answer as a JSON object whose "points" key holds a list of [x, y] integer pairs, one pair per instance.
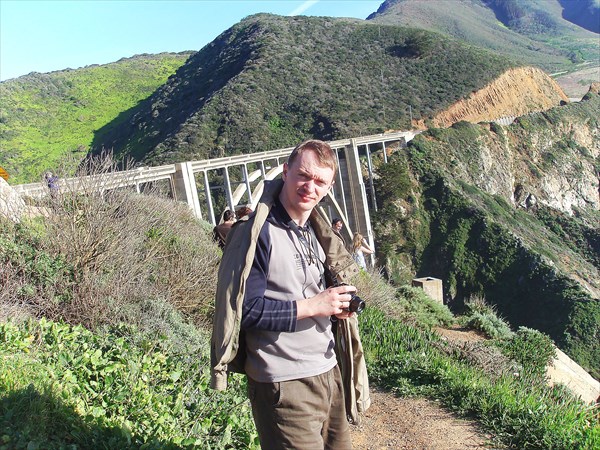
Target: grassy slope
{"points": [[541, 37], [47, 116], [270, 81]]}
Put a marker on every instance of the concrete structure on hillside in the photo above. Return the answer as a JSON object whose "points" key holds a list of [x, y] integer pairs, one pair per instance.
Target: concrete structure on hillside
{"points": [[563, 370], [432, 287]]}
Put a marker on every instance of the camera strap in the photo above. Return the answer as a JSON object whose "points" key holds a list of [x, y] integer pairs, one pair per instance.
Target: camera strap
{"points": [[311, 247]]}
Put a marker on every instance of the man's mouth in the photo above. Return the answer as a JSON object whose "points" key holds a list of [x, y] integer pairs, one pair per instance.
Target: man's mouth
{"points": [[305, 197]]}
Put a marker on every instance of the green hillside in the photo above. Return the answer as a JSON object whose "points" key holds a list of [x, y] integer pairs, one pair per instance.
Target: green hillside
{"points": [[530, 31], [45, 117], [271, 81]]}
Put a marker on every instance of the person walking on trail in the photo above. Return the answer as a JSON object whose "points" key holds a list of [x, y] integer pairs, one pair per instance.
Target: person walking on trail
{"points": [[281, 313], [220, 231], [52, 183], [360, 248]]}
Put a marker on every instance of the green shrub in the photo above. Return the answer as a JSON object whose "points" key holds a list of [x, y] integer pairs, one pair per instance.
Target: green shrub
{"points": [[419, 307], [490, 324], [483, 317], [375, 290], [530, 348], [34, 279]]}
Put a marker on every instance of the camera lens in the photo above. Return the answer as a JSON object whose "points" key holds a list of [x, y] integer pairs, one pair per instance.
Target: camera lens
{"points": [[357, 304]]}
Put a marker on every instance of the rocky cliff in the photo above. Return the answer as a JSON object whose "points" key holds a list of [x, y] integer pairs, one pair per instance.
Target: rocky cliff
{"points": [[11, 205], [552, 162], [547, 157]]}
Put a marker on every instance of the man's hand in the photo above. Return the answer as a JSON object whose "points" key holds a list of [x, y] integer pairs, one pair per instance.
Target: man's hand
{"points": [[333, 301]]}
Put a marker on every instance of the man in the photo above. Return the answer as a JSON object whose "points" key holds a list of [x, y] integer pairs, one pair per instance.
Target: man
{"points": [[52, 182], [220, 231], [337, 224], [272, 288]]}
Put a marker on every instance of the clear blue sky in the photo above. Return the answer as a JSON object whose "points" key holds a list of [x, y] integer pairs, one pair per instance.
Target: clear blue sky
{"points": [[48, 35]]}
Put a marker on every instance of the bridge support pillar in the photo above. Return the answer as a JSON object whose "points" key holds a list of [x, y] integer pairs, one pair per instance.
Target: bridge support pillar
{"points": [[185, 187], [358, 207]]}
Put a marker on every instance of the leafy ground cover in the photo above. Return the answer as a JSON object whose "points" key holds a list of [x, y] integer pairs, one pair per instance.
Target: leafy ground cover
{"points": [[65, 387]]}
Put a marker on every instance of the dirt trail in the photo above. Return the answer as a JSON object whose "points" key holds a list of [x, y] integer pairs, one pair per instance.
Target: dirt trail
{"points": [[420, 424], [416, 423]]}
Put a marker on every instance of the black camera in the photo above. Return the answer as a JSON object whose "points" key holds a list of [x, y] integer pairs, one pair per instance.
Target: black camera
{"points": [[356, 305]]}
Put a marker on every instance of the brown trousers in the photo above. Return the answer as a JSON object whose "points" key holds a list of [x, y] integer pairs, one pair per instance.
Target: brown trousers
{"points": [[303, 414]]}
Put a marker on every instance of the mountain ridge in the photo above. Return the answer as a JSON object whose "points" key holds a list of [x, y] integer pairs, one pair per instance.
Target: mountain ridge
{"points": [[514, 93], [533, 33], [298, 77]]}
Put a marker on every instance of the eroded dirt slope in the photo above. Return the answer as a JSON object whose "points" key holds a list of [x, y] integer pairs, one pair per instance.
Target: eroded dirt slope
{"points": [[515, 93]]}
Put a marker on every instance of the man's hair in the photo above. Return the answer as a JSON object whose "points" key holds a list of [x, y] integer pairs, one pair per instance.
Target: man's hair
{"points": [[243, 211], [227, 215], [335, 221], [324, 152]]}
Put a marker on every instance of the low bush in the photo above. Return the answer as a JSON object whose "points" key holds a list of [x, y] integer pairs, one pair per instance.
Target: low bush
{"points": [[483, 317], [532, 349], [490, 324], [375, 290]]}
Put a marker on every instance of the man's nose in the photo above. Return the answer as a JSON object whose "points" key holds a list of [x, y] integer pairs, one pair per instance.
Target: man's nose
{"points": [[310, 185]]}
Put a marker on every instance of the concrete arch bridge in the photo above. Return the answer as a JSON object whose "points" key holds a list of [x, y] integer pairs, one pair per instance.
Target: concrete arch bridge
{"points": [[351, 199]]}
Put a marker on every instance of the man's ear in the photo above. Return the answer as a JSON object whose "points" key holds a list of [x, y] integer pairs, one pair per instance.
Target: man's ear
{"points": [[285, 170]]}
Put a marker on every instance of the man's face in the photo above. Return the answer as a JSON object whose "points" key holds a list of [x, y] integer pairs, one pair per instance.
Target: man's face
{"points": [[306, 182], [338, 225]]}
